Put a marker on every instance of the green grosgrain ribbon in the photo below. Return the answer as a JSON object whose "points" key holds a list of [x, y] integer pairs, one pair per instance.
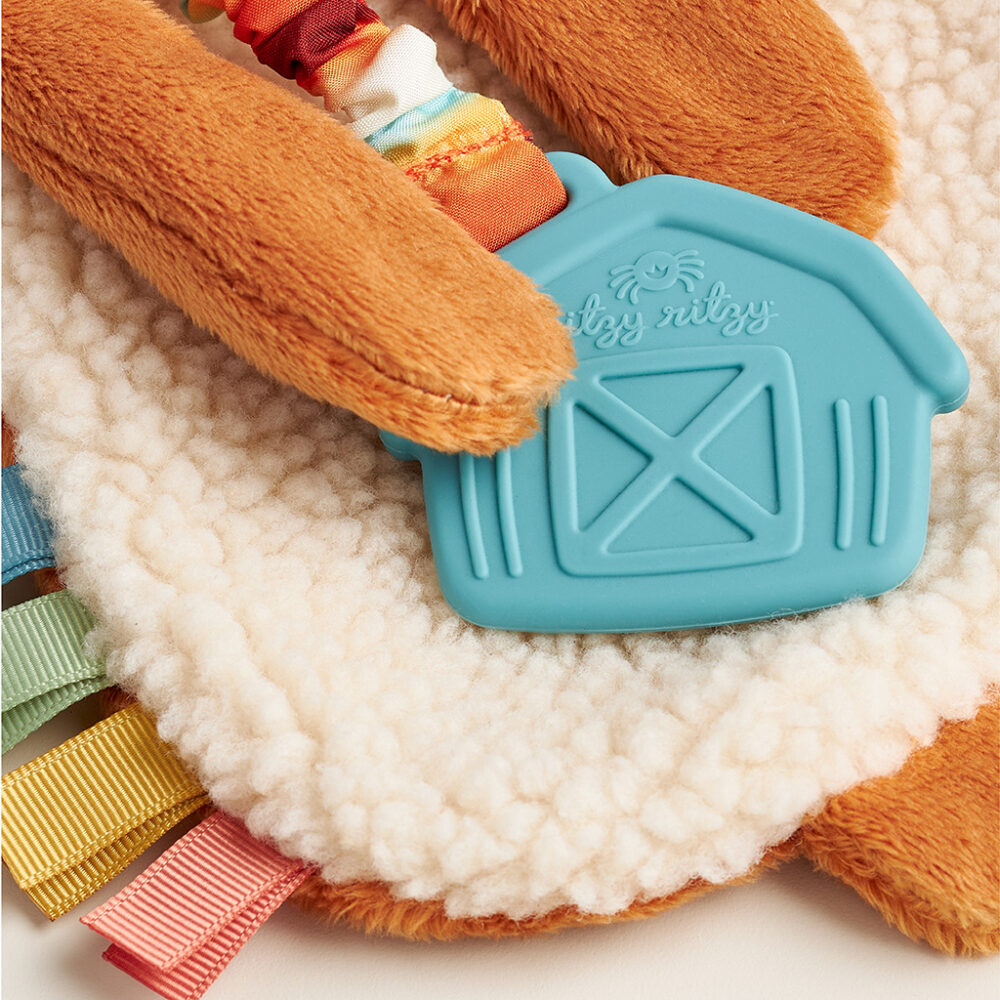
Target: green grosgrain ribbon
{"points": [[44, 667]]}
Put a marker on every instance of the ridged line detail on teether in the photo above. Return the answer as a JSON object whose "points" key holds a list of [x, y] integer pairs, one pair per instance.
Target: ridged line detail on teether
{"points": [[880, 498], [845, 473], [470, 514], [508, 518]]}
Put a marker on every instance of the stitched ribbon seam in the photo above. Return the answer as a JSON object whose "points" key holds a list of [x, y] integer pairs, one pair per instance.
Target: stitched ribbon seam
{"points": [[464, 149], [76, 816], [44, 667], [178, 925], [26, 534]]}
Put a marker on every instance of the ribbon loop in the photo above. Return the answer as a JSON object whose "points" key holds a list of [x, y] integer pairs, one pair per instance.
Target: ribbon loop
{"points": [[44, 667], [177, 926], [26, 533], [76, 816], [464, 149]]}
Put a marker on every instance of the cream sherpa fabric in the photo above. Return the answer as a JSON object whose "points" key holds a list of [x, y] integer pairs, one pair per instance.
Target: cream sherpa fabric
{"points": [[263, 575]]}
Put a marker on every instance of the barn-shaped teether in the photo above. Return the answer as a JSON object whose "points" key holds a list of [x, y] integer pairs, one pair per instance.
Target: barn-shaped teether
{"points": [[747, 434]]}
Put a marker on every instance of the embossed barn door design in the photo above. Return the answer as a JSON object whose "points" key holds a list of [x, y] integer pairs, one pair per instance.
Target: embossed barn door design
{"points": [[677, 460]]}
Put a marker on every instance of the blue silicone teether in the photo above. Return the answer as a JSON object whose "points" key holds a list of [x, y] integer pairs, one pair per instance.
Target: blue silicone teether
{"points": [[747, 434]]}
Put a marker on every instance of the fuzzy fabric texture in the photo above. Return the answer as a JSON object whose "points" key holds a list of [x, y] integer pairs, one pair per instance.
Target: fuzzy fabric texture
{"points": [[262, 571], [923, 846], [275, 227], [371, 907], [763, 95]]}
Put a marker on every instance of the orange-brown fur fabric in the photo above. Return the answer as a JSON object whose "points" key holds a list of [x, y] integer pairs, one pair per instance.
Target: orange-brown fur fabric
{"points": [[922, 846], [275, 227], [763, 95], [320, 264]]}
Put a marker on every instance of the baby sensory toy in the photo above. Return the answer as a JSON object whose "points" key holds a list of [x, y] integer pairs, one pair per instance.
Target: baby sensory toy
{"points": [[246, 573]]}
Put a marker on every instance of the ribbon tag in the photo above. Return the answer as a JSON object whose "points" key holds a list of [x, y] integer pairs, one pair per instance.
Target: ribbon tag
{"points": [[78, 815], [27, 536], [44, 668], [177, 926]]}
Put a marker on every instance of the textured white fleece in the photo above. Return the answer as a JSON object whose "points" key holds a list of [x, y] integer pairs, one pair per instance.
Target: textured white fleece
{"points": [[262, 570]]}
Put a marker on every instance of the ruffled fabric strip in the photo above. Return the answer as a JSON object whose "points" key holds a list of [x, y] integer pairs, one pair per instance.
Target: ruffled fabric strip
{"points": [[464, 149]]}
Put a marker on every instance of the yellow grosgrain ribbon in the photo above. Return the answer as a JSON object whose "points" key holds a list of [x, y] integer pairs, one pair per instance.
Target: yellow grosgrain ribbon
{"points": [[78, 815]]}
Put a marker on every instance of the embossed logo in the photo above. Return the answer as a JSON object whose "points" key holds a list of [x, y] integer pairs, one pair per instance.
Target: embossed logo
{"points": [[656, 272]]}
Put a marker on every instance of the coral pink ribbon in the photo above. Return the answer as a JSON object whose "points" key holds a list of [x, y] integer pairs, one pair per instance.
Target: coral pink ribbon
{"points": [[181, 922]]}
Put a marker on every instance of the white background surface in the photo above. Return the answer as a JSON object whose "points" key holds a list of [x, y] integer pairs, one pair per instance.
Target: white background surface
{"points": [[795, 933]]}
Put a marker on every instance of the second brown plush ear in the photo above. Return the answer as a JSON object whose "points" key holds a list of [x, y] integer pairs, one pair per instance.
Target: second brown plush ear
{"points": [[923, 846], [273, 226], [762, 95]]}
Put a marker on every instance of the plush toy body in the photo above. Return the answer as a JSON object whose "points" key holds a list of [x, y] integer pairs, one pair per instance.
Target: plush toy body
{"points": [[244, 234], [504, 784]]}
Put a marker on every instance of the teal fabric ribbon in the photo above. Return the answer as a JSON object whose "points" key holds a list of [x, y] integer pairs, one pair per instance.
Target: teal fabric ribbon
{"points": [[44, 667], [27, 535]]}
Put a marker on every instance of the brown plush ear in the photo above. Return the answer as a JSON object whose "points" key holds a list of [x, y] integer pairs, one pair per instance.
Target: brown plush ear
{"points": [[275, 227], [763, 95], [923, 846]]}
